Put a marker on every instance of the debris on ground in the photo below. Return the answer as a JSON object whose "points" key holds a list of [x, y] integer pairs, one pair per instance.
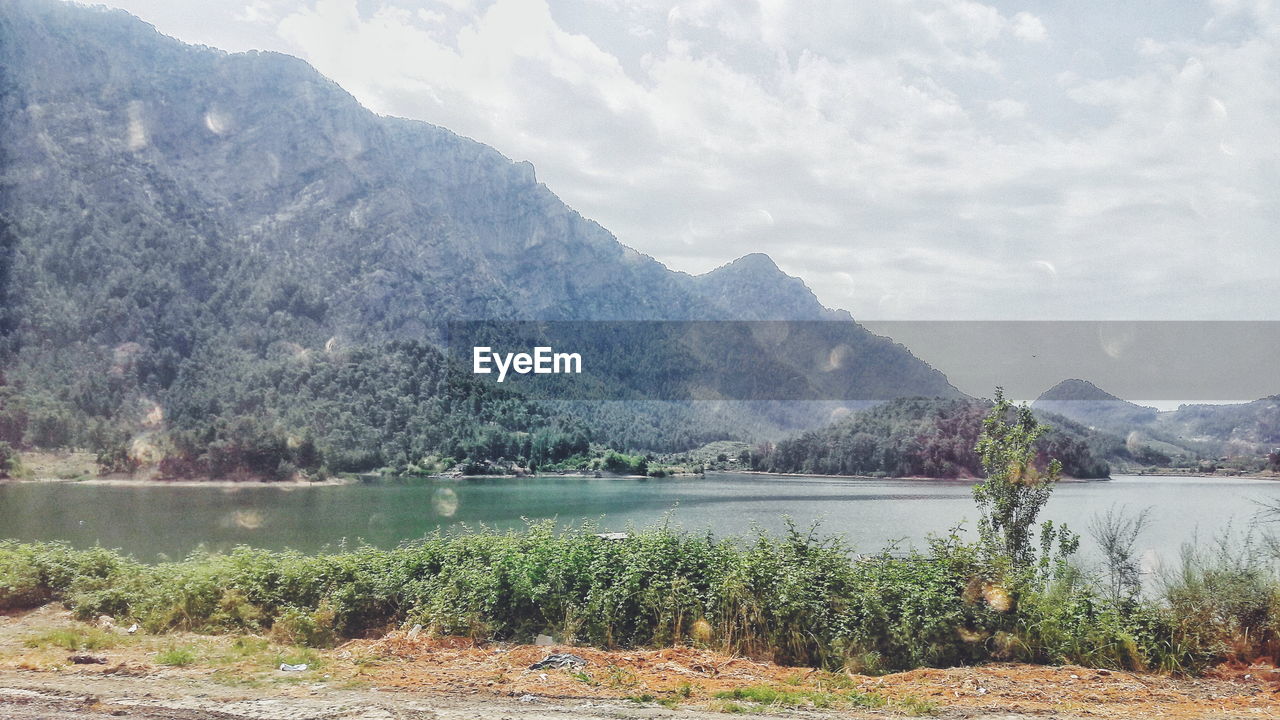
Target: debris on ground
{"points": [[87, 660], [559, 661], [286, 667], [403, 665]]}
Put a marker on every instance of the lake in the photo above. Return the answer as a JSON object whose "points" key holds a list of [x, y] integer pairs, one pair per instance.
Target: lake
{"points": [[151, 522]]}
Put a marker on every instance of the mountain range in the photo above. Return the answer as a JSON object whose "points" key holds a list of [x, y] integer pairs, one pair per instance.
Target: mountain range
{"points": [[1190, 434], [219, 262]]}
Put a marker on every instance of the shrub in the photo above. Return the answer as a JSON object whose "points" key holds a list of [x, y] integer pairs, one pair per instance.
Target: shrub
{"points": [[177, 657], [796, 598], [10, 463], [296, 626]]}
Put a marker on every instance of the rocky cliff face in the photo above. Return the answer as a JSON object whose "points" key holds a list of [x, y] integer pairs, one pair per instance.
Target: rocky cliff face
{"points": [[260, 155], [754, 288]]}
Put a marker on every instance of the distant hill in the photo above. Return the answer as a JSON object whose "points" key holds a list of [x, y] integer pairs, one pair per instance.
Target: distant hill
{"points": [[1190, 433], [926, 437], [199, 247], [1252, 427], [1085, 402]]}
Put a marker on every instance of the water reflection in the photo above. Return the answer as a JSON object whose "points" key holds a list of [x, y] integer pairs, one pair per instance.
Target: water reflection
{"points": [[871, 514]]}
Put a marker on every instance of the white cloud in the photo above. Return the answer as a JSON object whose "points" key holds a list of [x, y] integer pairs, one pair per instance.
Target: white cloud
{"points": [[914, 158], [1007, 109], [1028, 27]]}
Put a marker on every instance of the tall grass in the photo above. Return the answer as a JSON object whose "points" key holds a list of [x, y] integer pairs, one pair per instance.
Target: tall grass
{"points": [[797, 598]]}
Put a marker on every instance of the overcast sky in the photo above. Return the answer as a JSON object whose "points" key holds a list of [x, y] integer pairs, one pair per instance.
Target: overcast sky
{"points": [[909, 159]]}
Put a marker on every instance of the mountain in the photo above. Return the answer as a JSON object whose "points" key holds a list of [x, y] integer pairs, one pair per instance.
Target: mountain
{"points": [[201, 251], [754, 288], [1251, 428], [1085, 402], [1184, 436]]}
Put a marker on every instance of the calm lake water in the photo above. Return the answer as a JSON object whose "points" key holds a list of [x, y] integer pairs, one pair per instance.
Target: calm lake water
{"points": [[155, 521]]}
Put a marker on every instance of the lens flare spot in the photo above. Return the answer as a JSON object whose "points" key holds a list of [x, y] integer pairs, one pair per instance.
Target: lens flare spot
{"points": [[837, 358], [217, 122], [997, 598], [136, 132], [701, 631], [144, 451], [154, 417], [445, 502], [246, 519]]}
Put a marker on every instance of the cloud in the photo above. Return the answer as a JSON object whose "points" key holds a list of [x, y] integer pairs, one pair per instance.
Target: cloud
{"points": [[914, 158], [1028, 27], [1007, 108]]}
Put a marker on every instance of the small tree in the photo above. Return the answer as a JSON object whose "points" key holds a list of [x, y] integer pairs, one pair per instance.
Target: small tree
{"points": [[1015, 490], [1116, 533], [10, 463]]}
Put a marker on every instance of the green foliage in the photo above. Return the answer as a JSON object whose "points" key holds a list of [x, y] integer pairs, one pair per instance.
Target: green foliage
{"points": [[314, 628], [177, 657], [10, 462], [1225, 600], [625, 464], [769, 695], [256, 316], [1014, 491], [919, 437], [1116, 535], [73, 639], [799, 598]]}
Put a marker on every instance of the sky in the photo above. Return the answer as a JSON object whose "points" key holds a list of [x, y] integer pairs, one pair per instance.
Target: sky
{"points": [[909, 159]]}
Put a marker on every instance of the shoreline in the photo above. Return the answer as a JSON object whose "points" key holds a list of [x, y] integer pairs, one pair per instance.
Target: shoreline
{"points": [[1219, 476], [117, 480], [183, 482], [919, 478]]}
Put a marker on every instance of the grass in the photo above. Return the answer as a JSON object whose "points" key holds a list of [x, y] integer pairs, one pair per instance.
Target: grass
{"points": [[73, 639], [619, 677], [797, 599], [766, 695], [914, 706], [759, 698], [736, 708], [177, 657]]}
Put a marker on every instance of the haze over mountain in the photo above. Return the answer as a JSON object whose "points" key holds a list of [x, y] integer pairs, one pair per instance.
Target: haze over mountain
{"points": [[1085, 402], [200, 248], [1193, 431]]}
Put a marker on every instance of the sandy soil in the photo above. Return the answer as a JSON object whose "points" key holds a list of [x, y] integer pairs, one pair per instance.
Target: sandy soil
{"points": [[408, 676]]}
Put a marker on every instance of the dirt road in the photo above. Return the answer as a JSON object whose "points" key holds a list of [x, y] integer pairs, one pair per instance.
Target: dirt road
{"points": [[27, 698]]}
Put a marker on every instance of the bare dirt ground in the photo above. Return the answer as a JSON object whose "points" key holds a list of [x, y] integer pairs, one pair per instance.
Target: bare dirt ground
{"points": [[400, 676]]}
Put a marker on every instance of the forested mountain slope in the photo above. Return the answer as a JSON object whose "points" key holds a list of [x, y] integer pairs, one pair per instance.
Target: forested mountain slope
{"points": [[191, 237], [928, 437]]}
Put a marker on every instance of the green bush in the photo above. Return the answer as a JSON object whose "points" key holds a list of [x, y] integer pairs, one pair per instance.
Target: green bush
{"points": [[10, 463], [797, 598], [176, 657]]}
